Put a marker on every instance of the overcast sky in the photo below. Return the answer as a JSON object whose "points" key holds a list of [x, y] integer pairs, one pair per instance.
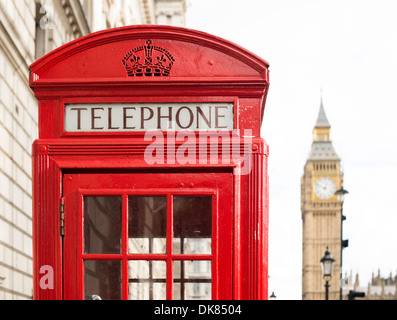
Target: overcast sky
{"points": [[347, 49]]}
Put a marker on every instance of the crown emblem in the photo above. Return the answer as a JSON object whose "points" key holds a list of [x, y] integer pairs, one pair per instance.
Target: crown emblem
{"points": [[148, 61]]}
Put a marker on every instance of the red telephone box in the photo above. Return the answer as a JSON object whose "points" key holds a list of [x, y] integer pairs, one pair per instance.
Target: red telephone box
{"points": [[149, 174]]}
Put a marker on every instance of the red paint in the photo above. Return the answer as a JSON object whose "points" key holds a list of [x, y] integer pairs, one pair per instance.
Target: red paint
{"points": [[198, 68], [219, 185]]}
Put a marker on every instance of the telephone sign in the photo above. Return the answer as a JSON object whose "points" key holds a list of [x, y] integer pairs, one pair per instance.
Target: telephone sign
{"points": [[144, 116]]}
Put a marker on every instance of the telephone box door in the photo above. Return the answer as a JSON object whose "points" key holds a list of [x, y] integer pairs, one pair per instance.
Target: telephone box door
{"points": [[148, 236]]}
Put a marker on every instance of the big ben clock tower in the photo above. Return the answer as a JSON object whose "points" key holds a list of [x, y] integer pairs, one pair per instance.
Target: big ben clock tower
{"points": [[321, 213]]}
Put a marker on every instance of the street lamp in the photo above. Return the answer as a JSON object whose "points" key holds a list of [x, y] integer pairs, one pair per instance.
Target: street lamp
{"points": [[344, 243], [341, 194], [327, 263]]}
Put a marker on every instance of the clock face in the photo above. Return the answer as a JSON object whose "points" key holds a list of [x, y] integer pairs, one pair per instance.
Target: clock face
{"points": [[324, 188]]}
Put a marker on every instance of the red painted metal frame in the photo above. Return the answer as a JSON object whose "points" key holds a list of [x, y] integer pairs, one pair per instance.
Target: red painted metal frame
{"points": [[89, 70], [250, 210], [214, 184]]}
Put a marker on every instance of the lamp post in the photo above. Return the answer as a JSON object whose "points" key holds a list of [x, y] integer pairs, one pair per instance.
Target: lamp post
{"points": [[327, 263], [344, 243]]}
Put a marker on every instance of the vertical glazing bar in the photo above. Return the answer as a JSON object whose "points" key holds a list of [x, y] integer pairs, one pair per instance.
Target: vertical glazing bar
{"points": [[237, 237], [80, 241], [215, 247], [182, 280], [251, 234], [170, 235], [124, 247]]}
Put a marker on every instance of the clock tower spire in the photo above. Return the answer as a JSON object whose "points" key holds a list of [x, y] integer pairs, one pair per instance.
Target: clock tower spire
{"points": [[321, 212], [322, 128]]}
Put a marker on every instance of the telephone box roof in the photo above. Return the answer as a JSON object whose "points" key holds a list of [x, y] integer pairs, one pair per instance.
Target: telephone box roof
{"points": [[196, 55]]}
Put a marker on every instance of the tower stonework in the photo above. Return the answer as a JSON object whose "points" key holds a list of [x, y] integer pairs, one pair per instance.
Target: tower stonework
{"points": [[321, 213]]}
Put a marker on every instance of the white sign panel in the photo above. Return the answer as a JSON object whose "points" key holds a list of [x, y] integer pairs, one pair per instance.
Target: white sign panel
{"points": [[111, 117]]}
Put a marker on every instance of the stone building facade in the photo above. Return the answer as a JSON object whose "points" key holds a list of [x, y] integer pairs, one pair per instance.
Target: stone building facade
{"points": [[28, 30], [379, 288]]}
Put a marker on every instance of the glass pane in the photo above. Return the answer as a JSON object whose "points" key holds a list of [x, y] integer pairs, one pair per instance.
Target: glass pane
{"points": [[147, 280], [192, 280], [147, 226], [102, 225], [198, 291], [102, 280], [192, 225]]}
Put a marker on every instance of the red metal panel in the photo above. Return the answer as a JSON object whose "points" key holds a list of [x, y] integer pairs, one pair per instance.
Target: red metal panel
{"points": [[50, 118], [250, 205], [77, 185], [47, 245], [205, 68], [199, 68], [170, 228], [196, 55]]}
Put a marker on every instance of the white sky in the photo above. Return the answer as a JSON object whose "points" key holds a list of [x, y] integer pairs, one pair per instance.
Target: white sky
{"points": [[348, 49]]}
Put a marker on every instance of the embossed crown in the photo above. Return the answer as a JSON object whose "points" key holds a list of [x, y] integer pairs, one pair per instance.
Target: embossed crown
{"points": [[148, 60]]}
